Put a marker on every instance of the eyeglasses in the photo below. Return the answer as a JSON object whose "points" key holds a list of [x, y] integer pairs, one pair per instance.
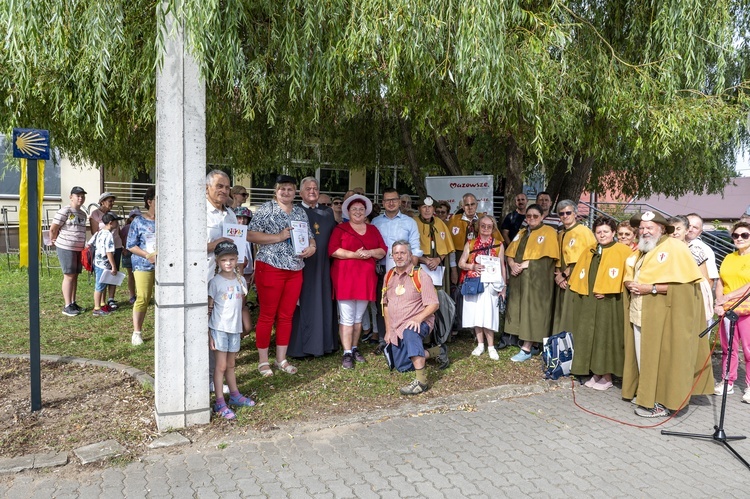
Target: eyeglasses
{"points": [[325, 204], [564, 213], [337, 203], [243, 194], [743, 235], [624, 234], [486, 226], [440, 212], [391, 200], [533, 217]]}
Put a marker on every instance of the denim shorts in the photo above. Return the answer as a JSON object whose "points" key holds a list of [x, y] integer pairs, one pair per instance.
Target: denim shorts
{"points": [[225, 342], [98, 273]]}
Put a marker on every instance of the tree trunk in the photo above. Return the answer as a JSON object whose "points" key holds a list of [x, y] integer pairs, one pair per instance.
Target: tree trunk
{"points": [[513, 174], [446, 157], [417, 176], [569, 184]]}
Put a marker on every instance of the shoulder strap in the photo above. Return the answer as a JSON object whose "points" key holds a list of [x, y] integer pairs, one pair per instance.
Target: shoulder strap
{"points": [[416, 279]]}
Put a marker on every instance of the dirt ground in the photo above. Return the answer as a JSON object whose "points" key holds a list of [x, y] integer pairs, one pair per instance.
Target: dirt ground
{"points": [[81, 405]]}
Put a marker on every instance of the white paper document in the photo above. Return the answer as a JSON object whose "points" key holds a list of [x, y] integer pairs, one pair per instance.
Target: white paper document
{"points": [[300, 239], [237, 233], [436, 275], [493, 266], [108, 278]]}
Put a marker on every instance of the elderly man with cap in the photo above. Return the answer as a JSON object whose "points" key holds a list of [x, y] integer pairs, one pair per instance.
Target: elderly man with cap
{"points": [[106, 203], [664, 357], [68, 233], [434, 240]]}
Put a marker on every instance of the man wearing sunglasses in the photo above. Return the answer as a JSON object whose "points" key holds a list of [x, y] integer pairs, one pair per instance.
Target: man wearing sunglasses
{"points": [[664, 357], [693, 238]]}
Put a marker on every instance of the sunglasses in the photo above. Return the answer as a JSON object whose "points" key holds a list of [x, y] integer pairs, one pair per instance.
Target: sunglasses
{"points": [[325, 204], [743, 235], [337, 203], [244, 194], [533, 217], [564, 213]]}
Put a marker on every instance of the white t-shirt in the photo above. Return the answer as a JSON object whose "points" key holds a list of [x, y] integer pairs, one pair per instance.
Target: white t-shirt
{"points": [[105, 243], [229, 297]]}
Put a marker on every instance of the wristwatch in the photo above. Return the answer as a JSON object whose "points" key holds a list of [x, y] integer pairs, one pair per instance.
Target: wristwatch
{"points": [[653, 290]]}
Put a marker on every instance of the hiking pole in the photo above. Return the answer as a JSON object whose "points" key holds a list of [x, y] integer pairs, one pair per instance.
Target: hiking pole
{"points": [[719, 435]]}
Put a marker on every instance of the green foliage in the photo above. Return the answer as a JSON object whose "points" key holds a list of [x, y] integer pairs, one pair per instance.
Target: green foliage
{"points": [[646, 89]]}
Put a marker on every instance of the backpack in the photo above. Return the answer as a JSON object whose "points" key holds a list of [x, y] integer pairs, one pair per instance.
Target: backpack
{"points": [[88, 254], [557, 355], [414, 278]]}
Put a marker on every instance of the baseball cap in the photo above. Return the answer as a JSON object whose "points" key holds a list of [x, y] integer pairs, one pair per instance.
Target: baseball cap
{"points": [[106, 195], [77, 190], [225, 248], [110, 217]]}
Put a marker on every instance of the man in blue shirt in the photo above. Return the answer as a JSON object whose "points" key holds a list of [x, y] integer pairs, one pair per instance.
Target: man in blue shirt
{"points": [[393, 226]]}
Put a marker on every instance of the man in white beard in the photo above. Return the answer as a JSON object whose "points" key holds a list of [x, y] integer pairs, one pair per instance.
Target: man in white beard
{"points": [[663, 353]]}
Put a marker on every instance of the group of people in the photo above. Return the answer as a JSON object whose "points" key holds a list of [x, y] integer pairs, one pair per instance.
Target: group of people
{"points": [[132, 245], [331, 273]]}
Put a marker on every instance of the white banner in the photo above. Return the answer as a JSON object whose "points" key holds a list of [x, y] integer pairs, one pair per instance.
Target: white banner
{"points": [[452, 189]]}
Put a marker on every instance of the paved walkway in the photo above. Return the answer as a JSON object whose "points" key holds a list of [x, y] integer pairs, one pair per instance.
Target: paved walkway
{"points": [[480, 445]]}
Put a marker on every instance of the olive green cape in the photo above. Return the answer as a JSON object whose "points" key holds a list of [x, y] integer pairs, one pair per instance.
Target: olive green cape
{"points": [[672, 355]]}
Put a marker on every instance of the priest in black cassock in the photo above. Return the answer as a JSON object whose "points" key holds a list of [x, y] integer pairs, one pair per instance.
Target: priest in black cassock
{"points": [[315, 327]]}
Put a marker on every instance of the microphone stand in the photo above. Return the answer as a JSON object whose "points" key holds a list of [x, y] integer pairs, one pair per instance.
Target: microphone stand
{"points": [[719, 435]]}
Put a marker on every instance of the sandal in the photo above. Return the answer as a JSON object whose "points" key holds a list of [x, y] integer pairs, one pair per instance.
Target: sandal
{"points": [[241, 401], [224, 411], [265, 372], [285, 366]]}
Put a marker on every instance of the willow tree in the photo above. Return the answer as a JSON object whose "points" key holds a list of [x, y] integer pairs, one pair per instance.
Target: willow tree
{"points": [[630, 87]]}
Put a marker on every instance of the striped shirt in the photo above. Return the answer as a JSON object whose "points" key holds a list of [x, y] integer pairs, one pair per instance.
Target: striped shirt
{"points": [[72, 236]]}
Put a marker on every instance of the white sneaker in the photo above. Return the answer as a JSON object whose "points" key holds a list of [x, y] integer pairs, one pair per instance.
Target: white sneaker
{"points": [[746, 396], [136, 339], [493, 353], [479, 350], [719, 388]]}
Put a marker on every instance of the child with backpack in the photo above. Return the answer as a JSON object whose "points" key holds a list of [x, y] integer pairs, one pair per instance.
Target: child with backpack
{"points": [[226, 299], [104, 259]]}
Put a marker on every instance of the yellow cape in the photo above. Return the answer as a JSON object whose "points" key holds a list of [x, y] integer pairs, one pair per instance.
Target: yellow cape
{"points": [[443, 239], [542, 242], [609, 277], [669, 262], [573, 242]]}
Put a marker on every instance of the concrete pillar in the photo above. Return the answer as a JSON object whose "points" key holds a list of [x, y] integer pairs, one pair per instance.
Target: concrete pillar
{"points": [[182, 397]]}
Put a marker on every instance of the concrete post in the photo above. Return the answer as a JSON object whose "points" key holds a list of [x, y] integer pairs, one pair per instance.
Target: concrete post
{"points": [[182, 397]]}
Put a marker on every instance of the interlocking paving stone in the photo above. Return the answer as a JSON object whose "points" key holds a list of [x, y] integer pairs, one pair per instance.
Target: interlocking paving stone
{"points": [[98, 451], [169, 440]]}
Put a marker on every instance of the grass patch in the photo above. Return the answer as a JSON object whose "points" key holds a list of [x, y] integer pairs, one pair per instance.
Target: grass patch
{"points": [[320, 389]]}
